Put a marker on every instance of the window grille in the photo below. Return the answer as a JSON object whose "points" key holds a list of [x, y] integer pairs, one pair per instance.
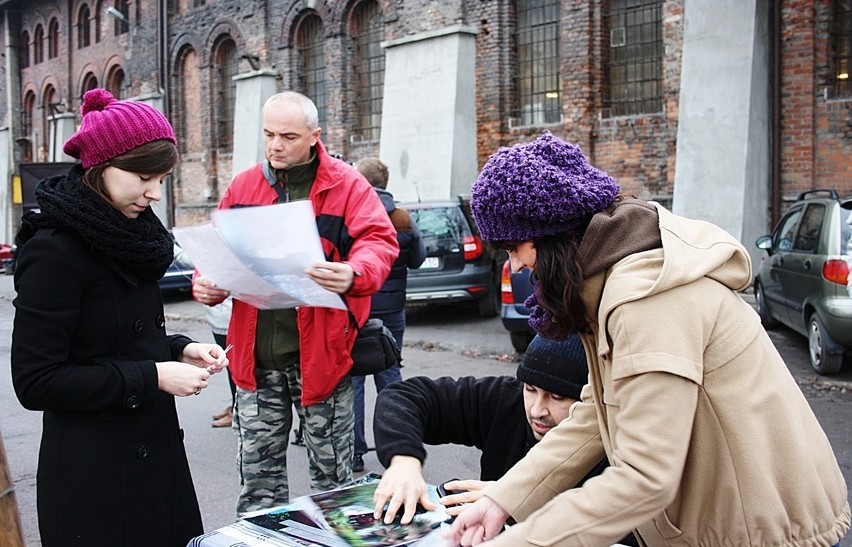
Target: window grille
{"points": [[38, 45], [225, 94], [842, 47], [309, 44], [635, 57], [538, 80], [369, 66], [53, 39], [84, 32]]}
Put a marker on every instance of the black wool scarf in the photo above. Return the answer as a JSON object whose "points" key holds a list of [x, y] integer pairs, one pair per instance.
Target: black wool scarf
{"points": [[142, 246]]}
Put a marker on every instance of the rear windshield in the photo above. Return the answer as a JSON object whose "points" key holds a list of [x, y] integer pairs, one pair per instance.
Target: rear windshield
{"points": [[441, 227], [846, 228]]}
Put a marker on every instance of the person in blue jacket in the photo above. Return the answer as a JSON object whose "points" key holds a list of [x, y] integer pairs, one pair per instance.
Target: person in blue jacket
{"points": [[389, 303]]}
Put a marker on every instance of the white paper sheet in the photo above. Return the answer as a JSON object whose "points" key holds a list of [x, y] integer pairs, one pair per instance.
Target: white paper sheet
{"points": [[260, 254]]}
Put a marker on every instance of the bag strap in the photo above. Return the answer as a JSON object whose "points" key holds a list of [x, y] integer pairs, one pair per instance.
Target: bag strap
{"points": [[351, 315]]}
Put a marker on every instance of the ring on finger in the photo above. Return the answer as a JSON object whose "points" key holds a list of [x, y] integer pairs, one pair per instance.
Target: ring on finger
{"points": [[197, 391]]}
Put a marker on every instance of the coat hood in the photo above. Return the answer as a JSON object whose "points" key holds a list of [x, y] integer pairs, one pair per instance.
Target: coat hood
{"points": [[626, 256]]}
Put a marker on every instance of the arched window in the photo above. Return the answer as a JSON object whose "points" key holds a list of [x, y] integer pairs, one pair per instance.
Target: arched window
{"points": [[38, 45], [368, 63], [90, 82], [224, 93], [24, 50], [311, 63], [115, 82], [48, 103], [28, 109], [53, 39], [186, 102], [539, 82], [84, 31]]}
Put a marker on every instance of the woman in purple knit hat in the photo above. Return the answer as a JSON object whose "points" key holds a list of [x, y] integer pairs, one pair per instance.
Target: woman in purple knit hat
{"points": [[89, 346], [708, 437]]}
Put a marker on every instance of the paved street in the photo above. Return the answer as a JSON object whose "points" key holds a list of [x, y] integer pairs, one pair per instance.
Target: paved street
{"points": [[442, 341]]}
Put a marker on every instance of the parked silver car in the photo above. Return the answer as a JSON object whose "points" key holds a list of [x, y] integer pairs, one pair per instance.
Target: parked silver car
{"points": [[803, 279]]}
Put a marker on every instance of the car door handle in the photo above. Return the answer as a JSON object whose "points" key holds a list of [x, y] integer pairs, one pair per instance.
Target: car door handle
{"points": [[807, 264]]}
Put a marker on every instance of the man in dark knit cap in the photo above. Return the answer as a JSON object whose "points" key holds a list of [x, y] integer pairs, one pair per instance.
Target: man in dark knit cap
{"points": [[502, 416]]}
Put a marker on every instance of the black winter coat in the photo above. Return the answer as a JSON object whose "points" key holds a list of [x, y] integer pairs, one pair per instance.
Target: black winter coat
{"points": [[112, 466]]}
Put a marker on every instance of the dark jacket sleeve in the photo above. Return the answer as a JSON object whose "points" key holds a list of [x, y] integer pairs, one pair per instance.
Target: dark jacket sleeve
{"points": [[421, 410], [54, 366]]}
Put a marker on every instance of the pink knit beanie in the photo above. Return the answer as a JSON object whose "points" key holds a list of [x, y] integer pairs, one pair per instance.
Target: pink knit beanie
{"points": [[111, 128]]}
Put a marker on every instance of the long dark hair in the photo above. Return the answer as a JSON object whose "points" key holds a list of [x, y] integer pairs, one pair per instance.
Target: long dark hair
{"points": [[558, 280], [152, 158]]}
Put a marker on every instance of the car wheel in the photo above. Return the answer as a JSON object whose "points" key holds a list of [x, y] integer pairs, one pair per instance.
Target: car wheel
{"points": [[520, 340], [762, 310], [826, 354], [489, 305]]}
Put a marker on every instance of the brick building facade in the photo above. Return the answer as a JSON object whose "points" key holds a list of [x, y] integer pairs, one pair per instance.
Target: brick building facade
{"points": [[602, 73]]}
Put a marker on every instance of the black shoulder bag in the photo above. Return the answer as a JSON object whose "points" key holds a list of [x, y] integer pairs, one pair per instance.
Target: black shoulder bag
{"points": [[375, 349]]}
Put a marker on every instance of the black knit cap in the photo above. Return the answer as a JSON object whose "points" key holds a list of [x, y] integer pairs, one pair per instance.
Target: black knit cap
{"points": [[557, 366]]}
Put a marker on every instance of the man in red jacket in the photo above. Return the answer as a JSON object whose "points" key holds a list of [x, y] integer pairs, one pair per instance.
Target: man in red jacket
{"points": [[301, 357]]}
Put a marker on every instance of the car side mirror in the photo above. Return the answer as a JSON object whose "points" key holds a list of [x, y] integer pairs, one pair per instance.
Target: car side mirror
{"points": [[765, 243]]}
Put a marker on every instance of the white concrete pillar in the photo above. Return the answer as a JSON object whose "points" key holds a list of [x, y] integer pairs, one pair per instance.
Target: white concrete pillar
{"points": [[253, 88], [722, 164], [428, 136], [62, 126]]}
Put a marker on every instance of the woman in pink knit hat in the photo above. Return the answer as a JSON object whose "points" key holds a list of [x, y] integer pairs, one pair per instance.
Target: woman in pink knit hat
{"points": [[89, 346]]}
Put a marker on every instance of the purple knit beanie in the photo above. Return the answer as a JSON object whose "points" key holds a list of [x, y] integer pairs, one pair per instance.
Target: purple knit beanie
{"points": [[111, 128], [539, 188]]}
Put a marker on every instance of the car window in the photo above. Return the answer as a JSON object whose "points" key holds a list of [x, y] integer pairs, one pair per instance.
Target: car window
{"points": [[783, 238], [846, 228], [441, 227], [807, 239]]}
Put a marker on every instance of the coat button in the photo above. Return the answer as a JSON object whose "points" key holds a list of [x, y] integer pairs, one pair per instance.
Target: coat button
{"points": [[161, 322], [137, 326], [143, 452], [133, 401]]}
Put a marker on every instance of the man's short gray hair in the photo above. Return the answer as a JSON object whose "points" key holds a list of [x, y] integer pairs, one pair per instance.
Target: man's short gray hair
{"points": [[310, 109]]}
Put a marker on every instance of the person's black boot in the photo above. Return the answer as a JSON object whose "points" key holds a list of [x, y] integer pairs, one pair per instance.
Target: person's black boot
{"points": [[358, 463]]}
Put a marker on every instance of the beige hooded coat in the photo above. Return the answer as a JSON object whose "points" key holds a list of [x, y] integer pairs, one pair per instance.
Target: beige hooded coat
{"points": [[710, 440]]}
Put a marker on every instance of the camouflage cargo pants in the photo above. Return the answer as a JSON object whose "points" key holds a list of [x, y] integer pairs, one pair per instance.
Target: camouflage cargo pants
{"points": [[264, 419]]}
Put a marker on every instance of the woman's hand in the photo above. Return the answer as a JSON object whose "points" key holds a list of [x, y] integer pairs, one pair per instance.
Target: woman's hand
{"points": [[474, 491], [477, 523], [209, 356], [402, 485], [181, 379]]}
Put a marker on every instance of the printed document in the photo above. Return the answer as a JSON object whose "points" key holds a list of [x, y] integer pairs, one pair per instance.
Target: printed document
{"points": [[260, 254]]}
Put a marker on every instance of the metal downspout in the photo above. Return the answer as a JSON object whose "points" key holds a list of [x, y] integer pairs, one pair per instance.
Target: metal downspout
{"points": [[775, 196]]}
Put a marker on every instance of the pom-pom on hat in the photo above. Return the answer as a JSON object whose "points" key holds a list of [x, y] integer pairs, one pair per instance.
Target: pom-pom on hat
{"points": [[557, 366], [536, 189], [111, 128]]}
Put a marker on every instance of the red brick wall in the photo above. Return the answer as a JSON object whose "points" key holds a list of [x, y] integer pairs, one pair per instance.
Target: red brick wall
{"points": [[816, 126]]}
